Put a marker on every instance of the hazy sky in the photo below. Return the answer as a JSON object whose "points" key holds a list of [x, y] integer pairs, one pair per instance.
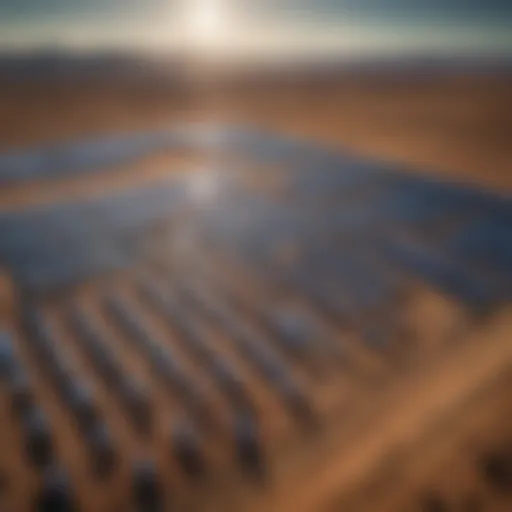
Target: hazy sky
{"points": [[260, 27]]}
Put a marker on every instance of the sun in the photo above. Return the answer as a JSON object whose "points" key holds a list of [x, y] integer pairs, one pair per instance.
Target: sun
{"points": [[206, 24]]}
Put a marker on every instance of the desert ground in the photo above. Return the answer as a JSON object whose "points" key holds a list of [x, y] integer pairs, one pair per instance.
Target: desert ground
{"points": [[458, 127]]}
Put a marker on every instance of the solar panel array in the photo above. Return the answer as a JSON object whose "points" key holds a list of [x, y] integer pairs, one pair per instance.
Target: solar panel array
{"points": [[185, 342]]}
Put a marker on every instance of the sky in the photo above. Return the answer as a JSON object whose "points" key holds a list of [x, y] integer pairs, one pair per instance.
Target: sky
{"points": [[260, 28]]}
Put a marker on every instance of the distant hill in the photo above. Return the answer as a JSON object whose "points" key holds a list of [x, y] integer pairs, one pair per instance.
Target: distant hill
{"points": [[65, 67], [54, 66]]}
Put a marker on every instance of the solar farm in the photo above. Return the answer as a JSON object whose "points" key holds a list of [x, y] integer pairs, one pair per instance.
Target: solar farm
{"points": [[288, 327]]}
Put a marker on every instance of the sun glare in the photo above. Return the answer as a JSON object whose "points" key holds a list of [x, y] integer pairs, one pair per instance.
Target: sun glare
{"points": [[206, 24]]}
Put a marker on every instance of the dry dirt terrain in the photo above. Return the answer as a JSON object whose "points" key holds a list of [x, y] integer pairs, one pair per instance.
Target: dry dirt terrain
{"points": [[456, 125], [441, 415]]}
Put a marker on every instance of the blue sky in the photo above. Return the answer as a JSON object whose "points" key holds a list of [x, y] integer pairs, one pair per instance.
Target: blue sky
{"points": [[23, 10], [260, 27]]}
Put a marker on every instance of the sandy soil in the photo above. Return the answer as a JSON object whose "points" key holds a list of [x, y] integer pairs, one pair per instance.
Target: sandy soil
{"points": [[458, 127]]}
